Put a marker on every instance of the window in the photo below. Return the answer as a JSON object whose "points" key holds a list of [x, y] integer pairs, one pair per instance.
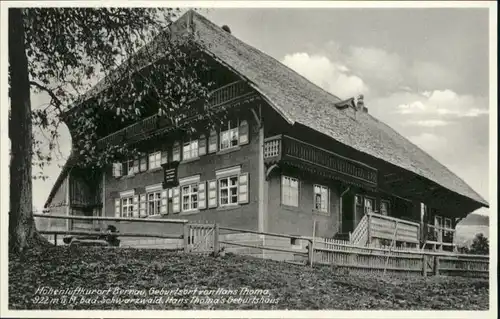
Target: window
{"points": [[154, 203], [321, 198], [447, 223], [127, 207], [154, 160], [369, 204], [228, 191], [229, 136], [290, 191], [190, 149], [384, 207], [189, 197], [132, 166]]}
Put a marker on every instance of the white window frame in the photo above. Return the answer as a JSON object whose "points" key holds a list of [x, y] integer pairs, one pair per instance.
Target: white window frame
{"points": [[365, 200], [127, 202], [228, 188], [324, 196], [388, 207], [192, 151], [226, 135], [154, 160], [156, 201], [132, 169], [192, 197], [289, 194]]}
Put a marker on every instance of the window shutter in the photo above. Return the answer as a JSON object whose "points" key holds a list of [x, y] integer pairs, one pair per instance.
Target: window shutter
{"points": [[117, 207], [164, 202], [143, 164], [164, 157], [212, 194], [136, 166], [202, 145], [176, 208], [142, 206], [243, 133], [117, 169], [176, 152], [135, 211], [202, 200], [212, 142], [243, 188]]}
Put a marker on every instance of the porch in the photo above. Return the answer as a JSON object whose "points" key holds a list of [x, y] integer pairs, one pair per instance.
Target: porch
{"points": [[367, 215], [378, 230]]}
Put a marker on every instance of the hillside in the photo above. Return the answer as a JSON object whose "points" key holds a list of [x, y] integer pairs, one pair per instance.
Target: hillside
{"points": [[475, 220], [100, 278]]}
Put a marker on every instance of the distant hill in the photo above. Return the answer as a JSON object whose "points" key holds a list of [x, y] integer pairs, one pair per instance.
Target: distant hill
{"points": [[475, 220]]}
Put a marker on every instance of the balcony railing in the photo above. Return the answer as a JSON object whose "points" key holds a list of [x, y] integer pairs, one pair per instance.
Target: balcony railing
{"points": [[286, 148], [391, 228], [225, 95]]}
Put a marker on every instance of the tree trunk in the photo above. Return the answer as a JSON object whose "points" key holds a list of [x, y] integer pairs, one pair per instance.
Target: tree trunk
{"points": [[22, 230]]}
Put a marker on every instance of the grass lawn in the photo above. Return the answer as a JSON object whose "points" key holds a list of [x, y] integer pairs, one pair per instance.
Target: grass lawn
{"points": [[134, 279]]}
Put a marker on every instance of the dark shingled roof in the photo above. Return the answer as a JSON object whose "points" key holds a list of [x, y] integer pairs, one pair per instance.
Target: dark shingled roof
{"points": [[300, 101]]}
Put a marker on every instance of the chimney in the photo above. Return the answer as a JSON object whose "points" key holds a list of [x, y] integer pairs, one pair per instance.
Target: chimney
{"points": [[360, 104], [226, 28]]}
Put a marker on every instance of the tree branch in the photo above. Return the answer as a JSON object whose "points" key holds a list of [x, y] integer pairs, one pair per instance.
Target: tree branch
{"points": [[41, 87]]}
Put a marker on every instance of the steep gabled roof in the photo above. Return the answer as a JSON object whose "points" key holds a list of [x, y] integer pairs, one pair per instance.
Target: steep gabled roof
{"points": [[300, 101]]}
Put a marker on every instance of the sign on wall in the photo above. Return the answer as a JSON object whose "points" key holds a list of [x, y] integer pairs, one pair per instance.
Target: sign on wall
{"points": [[170, 176]]}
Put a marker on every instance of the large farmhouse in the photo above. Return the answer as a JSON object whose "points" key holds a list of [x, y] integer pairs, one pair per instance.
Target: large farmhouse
{"points": [[291, 159]]}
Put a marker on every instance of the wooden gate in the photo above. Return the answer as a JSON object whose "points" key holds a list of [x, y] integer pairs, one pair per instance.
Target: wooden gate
{"points": [[201, 238]]}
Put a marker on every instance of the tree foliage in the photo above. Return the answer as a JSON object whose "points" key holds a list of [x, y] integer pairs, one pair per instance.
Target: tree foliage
{"points": [[479, 246], [66, 50]]}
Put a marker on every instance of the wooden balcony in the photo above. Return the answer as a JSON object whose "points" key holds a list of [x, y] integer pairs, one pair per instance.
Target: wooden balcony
{"points": [[374, 229], [227, 95], [286, 149]]}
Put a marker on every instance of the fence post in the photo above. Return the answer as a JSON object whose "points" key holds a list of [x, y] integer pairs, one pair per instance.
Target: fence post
{"points": [[216, 239], [55, 239], [310, 252], [186, 237], [436, 265], [424, 265]]}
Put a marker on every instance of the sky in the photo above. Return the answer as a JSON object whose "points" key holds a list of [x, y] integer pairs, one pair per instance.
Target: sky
{"points": [[424, 72]]}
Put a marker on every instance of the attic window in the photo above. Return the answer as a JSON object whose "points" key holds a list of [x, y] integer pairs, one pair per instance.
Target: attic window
{"points": [[226, 28]]}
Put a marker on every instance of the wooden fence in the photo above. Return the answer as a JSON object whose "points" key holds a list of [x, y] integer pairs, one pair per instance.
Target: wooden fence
{"points": [[201, 237]]}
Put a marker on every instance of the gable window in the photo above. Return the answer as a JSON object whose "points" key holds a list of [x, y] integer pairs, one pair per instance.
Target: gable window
{"points": [[189, 197], [289, 191], [229, 136], [228, 191], [190, 149], [385, 207], [321, 198], [154, 203], [127, 207], [155, 160]]}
